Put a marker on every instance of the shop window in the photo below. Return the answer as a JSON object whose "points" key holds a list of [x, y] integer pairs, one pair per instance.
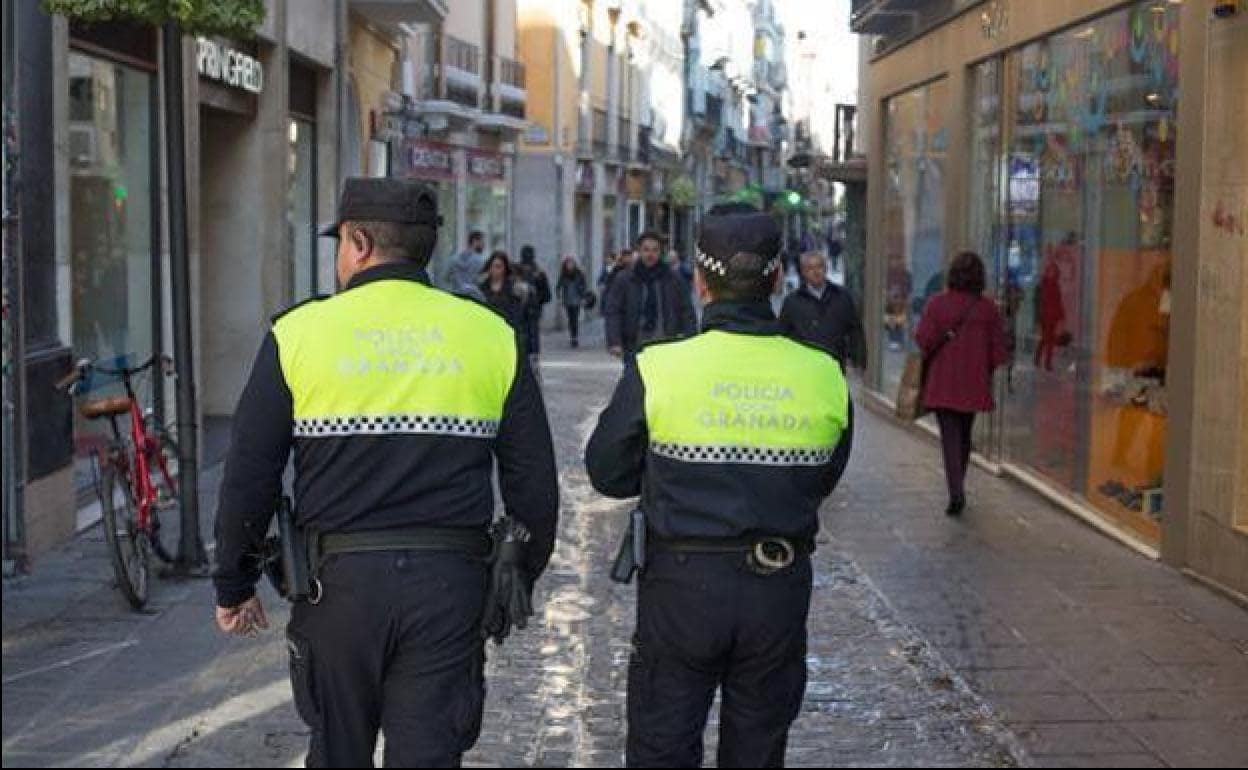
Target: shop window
{"points": [[488, 212], [111, 219], [1082, 249], [915, 144]]}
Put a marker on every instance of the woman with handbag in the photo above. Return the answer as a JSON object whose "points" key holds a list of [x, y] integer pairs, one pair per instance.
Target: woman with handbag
{"points": [[962, 339]]}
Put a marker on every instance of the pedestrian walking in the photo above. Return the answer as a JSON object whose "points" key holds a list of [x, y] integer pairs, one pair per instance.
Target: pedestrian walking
{"points": [[961, 336], [572, 290], [465, 268], [823, 314], [619, 263], [732, 438], [503, 290], [646, 301], [539, 297], [397, 399]]}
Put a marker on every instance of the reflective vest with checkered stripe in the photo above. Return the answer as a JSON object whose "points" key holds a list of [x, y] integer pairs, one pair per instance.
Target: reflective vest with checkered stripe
{"points": [[723, 397], [396, 357]]}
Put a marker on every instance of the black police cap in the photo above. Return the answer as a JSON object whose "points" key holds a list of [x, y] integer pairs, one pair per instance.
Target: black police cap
{"points": [[731, 229], [366, 199]]}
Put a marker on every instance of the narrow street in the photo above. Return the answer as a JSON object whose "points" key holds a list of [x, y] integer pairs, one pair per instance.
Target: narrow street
{"points": [[1015, 636]]}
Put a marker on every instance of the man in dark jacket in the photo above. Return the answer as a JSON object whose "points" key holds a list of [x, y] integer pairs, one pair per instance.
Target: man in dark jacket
{"points": [[822, 313], [647, 302]]}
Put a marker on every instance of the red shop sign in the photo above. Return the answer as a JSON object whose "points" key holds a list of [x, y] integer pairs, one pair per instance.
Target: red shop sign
{"points": [[430, 160], [485, 166]]}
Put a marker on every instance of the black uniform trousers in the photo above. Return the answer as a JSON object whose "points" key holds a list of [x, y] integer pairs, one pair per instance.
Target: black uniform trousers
{"points": [[395, 645], [705, 621]]}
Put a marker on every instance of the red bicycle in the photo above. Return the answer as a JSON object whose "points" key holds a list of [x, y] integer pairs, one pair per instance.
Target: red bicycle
{"points": [[138, 479]]}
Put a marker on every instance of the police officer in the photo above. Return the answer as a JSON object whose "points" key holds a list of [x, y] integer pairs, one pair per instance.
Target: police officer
{"points": [[397, 399], [732, 438]]}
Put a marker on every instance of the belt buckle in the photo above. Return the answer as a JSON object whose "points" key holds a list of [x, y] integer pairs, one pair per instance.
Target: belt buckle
{"points": [[769, 555]]}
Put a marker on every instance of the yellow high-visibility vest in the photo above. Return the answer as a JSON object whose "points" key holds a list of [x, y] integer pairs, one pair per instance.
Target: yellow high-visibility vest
{"points": [[738, 398], [396, 357]]}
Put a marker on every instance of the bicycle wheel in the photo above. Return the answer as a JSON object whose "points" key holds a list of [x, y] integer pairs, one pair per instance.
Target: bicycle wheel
{"points": [[130, 548], [167, 501]]}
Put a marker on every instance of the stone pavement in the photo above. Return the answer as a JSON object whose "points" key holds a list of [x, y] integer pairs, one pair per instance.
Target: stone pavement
{"points": [[1015, 635], [1092, 654]]}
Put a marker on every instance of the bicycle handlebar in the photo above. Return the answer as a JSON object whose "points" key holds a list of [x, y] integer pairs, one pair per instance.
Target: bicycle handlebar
{"points": [[85, 366]]}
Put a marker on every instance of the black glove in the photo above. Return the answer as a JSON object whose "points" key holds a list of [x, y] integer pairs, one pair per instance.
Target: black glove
{"points": [[509, 601]]}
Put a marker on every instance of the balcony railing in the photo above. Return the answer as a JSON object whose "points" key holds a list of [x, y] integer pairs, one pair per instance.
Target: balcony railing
{"points": [[460, 55], [600, 145], [507, 80], [624, 151], [511, 73], [459, 76]]}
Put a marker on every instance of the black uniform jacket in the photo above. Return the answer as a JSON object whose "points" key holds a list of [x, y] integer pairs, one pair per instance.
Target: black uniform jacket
{"points": [[830, 322], [684, 499], [366, 482]]}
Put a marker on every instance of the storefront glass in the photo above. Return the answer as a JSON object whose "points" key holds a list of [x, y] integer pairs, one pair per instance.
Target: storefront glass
{"points": [[301, 207], [446, 247], [488, 212], [916, 139], [110, 221], [984, 227], [1082, 255]]}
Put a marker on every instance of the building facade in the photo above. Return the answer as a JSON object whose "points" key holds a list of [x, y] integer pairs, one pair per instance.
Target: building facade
{"points": [[1050, 138], [93, 257], [460, 104], [587, 157]]}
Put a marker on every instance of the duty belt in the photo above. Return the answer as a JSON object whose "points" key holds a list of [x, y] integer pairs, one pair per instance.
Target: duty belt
{"points": [[474, 542], [764, 554]]}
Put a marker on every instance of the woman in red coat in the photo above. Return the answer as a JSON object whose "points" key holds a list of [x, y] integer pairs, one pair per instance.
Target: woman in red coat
{"points": [[962, 336]]}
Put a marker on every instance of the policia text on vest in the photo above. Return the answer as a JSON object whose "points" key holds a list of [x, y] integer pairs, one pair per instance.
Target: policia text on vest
{"points": [[396, 400]]}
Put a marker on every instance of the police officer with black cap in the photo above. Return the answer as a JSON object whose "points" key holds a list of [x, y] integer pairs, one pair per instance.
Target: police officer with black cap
{"points": [[732, 438], [396, 399]]}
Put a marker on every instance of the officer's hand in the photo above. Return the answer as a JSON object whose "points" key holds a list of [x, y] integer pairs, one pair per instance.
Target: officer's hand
{"points": [[247, 619], [616, 351]]}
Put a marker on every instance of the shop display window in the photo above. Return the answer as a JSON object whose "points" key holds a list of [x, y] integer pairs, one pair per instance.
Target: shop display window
{"points": [[916, 140], [1080, 249], [110, 224], [488, 212], [447, 246]]}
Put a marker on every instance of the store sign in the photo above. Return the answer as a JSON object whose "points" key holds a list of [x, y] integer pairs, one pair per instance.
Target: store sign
{"points": [[429, 160], [486, 166], [219, 62]]}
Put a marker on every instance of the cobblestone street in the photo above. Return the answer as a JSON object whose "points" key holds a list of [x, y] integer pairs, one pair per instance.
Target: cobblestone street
{"points": [[1016, 636]]}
